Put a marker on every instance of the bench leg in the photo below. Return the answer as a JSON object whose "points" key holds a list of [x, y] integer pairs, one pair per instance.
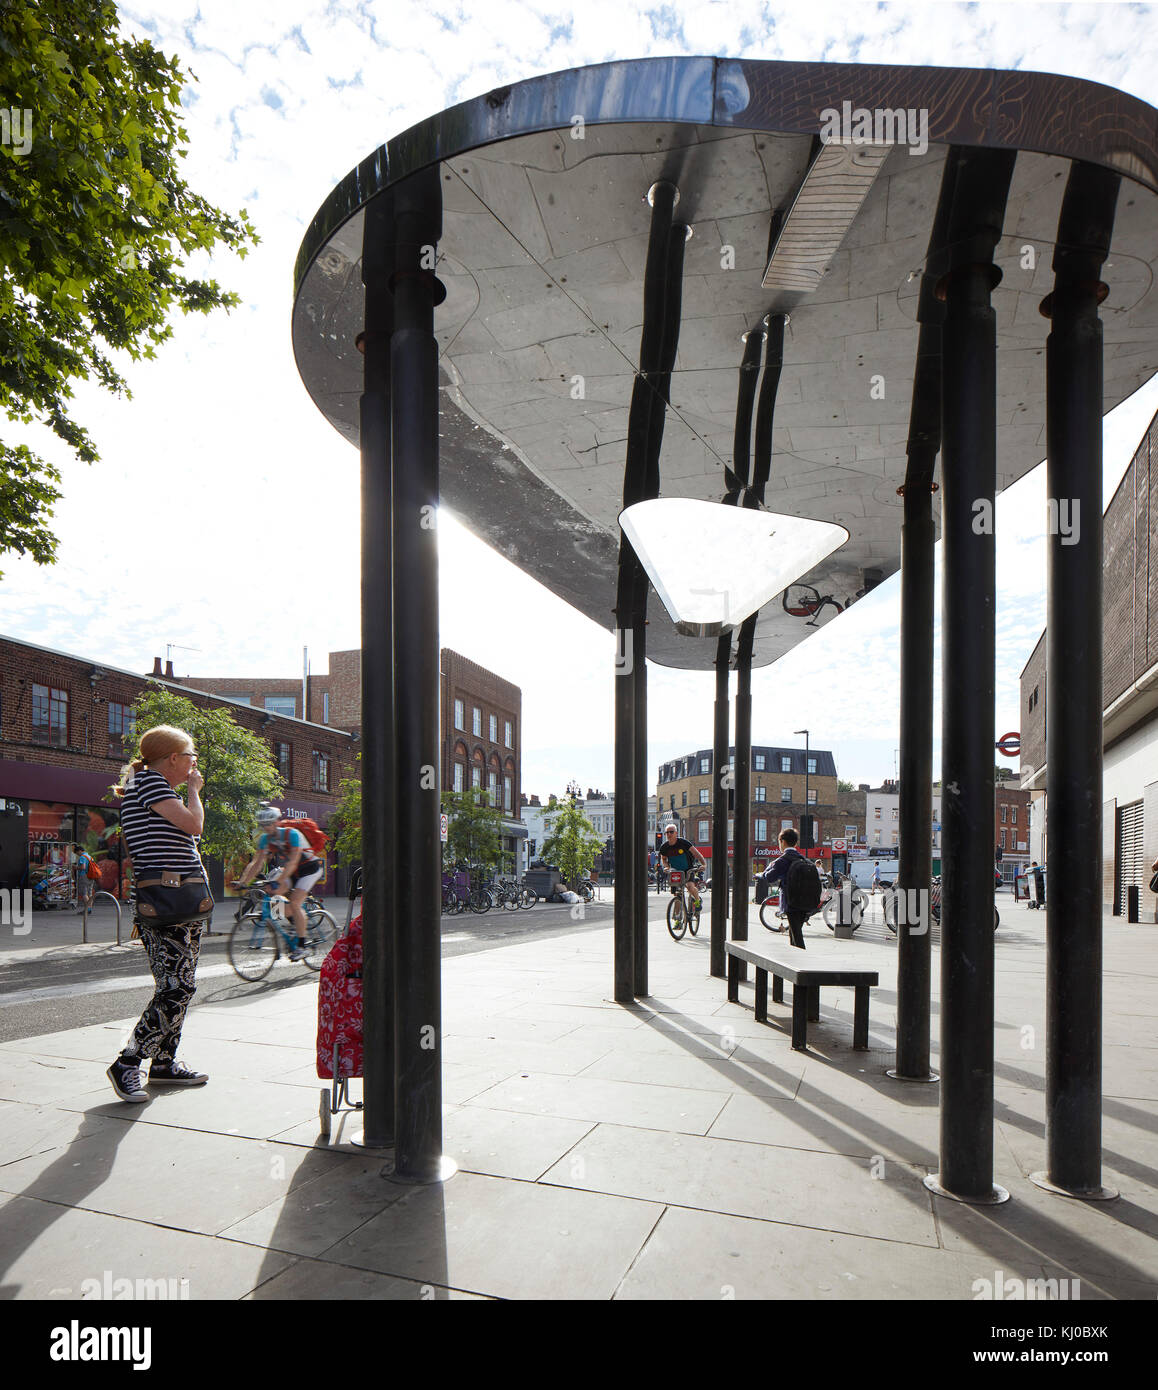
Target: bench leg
{"points": [[761, 995], [813, 1001], [799, 1018], [733, 980], [860, 1018], [777, 989]]}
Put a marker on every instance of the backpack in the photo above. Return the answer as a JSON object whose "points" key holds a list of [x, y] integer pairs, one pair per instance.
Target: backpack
{"points": [[314, 836], [801, 886], [92, 871]]}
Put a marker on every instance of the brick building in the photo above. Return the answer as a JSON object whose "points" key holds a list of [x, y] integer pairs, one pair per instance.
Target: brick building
{"points": [[780, 781], [334, 699], [1129, 692], [66, 729]]}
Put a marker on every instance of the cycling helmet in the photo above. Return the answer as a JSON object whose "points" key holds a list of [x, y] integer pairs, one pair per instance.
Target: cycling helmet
{"points": [[268, 815]]}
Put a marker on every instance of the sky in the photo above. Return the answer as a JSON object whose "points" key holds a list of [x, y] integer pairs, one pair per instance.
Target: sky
{"points": [[257, 495]]}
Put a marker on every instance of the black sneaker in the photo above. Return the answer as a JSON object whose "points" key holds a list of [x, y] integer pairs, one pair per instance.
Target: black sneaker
{"points": [[126, 1079], [175, 1074]]}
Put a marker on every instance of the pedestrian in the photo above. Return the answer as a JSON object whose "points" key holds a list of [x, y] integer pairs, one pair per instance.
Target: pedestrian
{"points": [[778, 874], [84, 885], [160, 836]]}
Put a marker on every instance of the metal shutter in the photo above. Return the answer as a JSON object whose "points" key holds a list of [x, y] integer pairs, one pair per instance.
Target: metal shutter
{"points": [[1129, 852]]}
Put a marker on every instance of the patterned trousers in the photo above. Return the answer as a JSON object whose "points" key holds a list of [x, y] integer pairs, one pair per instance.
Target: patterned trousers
{"points": [[172, 955]]}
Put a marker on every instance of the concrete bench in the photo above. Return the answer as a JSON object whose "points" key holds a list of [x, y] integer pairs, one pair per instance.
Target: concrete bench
{"points": [[806, 974]]}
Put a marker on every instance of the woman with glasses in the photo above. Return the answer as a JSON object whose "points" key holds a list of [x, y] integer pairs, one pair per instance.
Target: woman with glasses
{"points": [[160, 831]]}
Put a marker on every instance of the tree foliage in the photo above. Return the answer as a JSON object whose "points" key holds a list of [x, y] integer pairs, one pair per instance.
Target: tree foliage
{"points": [[572, 842], [843, 786], [238, 768], [345, 825], [474, 833], [95, 225]]}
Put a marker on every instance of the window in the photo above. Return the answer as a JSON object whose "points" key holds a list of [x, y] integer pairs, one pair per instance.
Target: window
{"points": [[321, 771], [122, 727], [812, 796], [731, 824], [1003, 811], [459, 777], [894, 837], [1002, 841], [50, 716], [761, 793], [703, 764], [237, 699], [759, 762], [876, 813], [895, 812], [476, 777], [493, 788], [281, 704], [477, 722], [458, 715], [684, 802], [785, 793], [812, 765], [785, 763], [761, 835], [673, 801], [703, 796], [509, 733], [1013, 815], [703, 831], [850, 833], [494, 727], [786, 825], [281, 753], [507, 794], [325, 706]]}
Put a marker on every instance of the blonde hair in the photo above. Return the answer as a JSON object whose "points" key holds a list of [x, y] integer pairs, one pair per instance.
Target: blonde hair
{"points": [[156, 745]]}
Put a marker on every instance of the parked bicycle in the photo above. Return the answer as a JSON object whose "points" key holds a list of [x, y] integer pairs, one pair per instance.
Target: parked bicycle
{"points": [[683, 912], [890, 906], [262, 931]]}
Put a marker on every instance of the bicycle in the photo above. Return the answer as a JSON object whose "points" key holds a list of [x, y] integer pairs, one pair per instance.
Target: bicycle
{"points": [[257, 938], [450, 903], [505, 894], [527, 895], [683, 912], [934, 907]]}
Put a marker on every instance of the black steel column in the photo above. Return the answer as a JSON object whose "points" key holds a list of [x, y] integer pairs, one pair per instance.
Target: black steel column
{"points": [[918, 534], [377, 682], [742, 832], [717, 955], [968, 472], [1073, 688], [417, 871], [630, 617]]}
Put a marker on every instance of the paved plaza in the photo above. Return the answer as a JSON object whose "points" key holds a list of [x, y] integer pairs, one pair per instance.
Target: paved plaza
{"points": [[674, 1149]]}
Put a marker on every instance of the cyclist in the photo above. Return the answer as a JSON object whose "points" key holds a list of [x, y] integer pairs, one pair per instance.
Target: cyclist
{"points": [[297, 867], [682, 854]]}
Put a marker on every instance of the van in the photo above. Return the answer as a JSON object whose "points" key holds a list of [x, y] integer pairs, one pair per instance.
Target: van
{"points": [[863, 871]]}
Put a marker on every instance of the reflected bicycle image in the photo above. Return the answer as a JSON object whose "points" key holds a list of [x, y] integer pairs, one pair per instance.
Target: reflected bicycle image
{"points": [[264, 930]]}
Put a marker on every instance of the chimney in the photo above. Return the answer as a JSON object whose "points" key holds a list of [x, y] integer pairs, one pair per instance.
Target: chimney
{"points": [[157, 666], [169, 671]]}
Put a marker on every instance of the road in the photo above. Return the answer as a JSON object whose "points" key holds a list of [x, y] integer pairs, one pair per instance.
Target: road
{"points": [[51, 993]]}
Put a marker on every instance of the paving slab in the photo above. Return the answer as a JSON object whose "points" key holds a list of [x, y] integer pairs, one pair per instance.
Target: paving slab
{"points": [[504, 1238], [318, 1280], [589, 1098], [796, 1124], [225, 1105], [705, 1255], [826, 1191], [724, 1074], [50, 1250]]}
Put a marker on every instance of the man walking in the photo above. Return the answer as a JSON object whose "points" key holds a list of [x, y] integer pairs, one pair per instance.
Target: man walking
{"points": [[779, 874]]}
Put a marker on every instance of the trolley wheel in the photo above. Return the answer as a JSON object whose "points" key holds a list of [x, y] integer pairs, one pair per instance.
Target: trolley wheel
{"points": [[252, 948], [324, 1112], [675, 919], [996, 919]]}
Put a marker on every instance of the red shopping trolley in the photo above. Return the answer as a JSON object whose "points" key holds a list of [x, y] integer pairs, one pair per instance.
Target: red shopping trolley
{"points": [[340, 1023]]}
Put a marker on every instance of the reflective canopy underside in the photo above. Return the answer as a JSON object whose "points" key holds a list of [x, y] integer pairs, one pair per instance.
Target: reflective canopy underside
{"points": [[542, 255]]}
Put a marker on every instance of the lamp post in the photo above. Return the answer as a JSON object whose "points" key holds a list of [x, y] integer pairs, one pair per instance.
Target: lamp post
{"points": [[807, 812]]}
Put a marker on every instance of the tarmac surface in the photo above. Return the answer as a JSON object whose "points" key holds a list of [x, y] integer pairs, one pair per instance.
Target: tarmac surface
{"points": [[669, 1149]]}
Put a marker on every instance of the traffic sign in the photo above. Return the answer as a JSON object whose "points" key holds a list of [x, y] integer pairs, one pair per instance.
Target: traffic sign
{"points": [[1009, 744], [444, 822]]}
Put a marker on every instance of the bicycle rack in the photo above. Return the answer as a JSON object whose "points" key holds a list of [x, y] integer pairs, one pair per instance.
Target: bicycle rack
{"points": [[88, 908]]}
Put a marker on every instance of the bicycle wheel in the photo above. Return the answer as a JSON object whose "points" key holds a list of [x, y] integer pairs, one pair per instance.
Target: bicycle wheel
{"points": [[510, 899], [694, 919], [770, 907], [890, 911], [586, 890], [449, 901], [675, 919], [478, 901], [996, 919], [322, 934], [252, 948], [528, 898]]}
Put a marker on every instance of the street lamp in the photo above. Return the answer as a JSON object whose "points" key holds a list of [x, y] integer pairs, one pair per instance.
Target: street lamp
{"points": [[807, 812]]}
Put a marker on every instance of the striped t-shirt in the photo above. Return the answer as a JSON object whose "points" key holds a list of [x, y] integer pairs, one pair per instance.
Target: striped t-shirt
{"points": [[152, 841]]}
